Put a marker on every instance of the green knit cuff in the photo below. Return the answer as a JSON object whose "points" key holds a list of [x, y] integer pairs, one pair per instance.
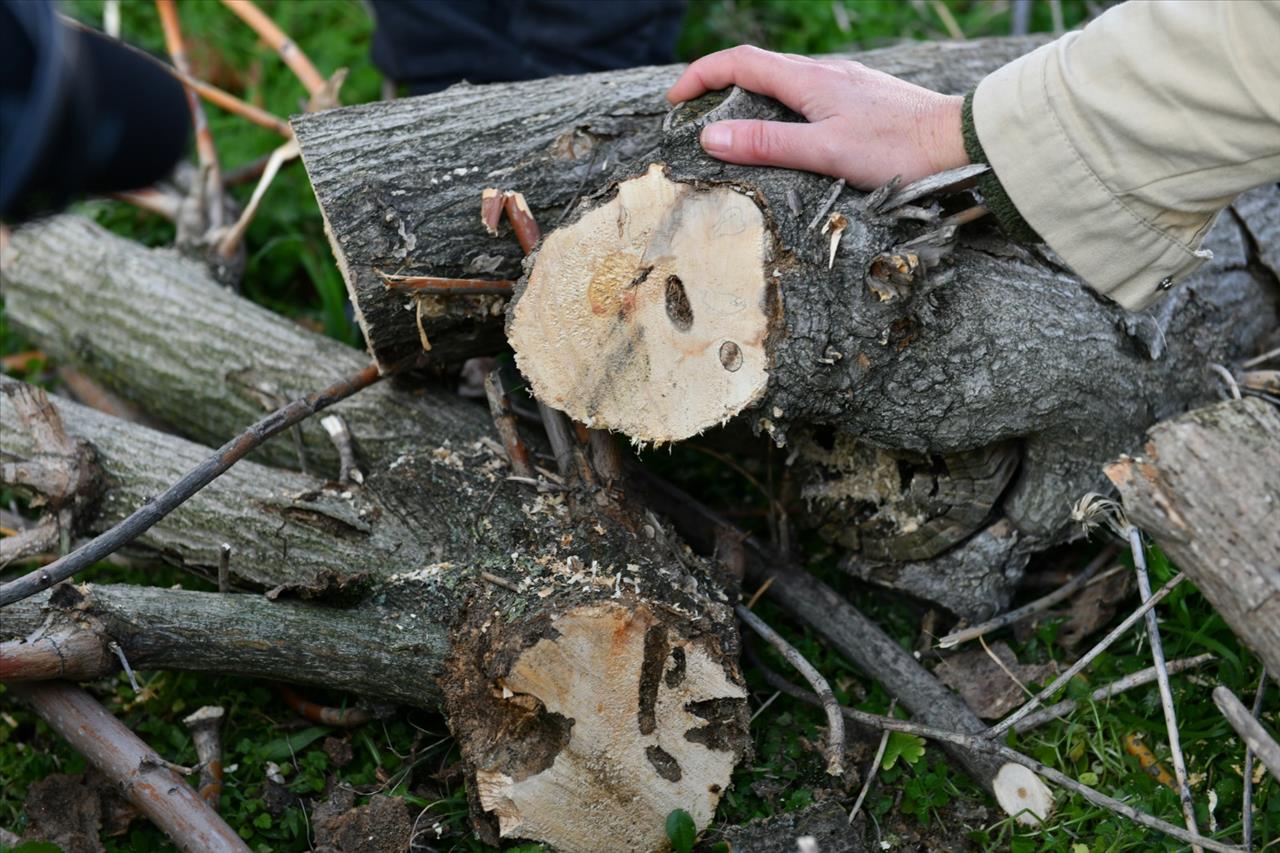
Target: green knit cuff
{"points": [[993, 194]]}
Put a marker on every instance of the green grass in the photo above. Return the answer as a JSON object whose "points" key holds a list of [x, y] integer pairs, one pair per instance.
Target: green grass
{"points": [[290, 269]]}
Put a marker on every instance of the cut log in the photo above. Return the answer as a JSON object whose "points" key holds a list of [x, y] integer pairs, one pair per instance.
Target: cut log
{"points": [[400, 181], [1207, 489], [986, 359], [440, 582]]}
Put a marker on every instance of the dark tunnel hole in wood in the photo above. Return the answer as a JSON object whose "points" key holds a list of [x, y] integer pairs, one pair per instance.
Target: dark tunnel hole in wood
{"points": [[678, 307]]}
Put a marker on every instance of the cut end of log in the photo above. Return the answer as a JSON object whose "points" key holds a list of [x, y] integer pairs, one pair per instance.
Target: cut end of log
{"points": [[1022, 794], [650, 314], [634, 721]]}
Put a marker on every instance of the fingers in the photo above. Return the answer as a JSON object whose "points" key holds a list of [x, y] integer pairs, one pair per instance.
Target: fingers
{"points": [[789, 145], [787, 78]]}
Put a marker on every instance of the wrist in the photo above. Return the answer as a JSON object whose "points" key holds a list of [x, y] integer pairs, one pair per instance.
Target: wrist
{"points": [[944, 142]]}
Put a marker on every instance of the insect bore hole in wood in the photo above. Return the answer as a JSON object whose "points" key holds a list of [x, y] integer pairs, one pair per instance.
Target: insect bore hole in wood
{"points": [[730, 356], [678, 307]]}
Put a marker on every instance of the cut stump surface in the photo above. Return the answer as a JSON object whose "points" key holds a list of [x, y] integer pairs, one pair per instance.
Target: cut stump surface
{"points": [[650, 314]]}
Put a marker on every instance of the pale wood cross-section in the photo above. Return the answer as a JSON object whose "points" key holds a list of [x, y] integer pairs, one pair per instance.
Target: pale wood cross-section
{"points": [[630, 759], [649, 315]]}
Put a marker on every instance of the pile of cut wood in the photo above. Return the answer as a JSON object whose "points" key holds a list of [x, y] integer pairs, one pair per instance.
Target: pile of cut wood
{"points": [[943, 398]]}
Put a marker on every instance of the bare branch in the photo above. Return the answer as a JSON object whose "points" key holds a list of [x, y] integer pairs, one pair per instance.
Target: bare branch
{"points": [[504, 420], [137, 771], [1064, 592], [986, 746], [278, 41], [835, 722], [1129, 682], [1162, 679], [1246, 808], [196, 479], [1086, 659], [1250, 730]]}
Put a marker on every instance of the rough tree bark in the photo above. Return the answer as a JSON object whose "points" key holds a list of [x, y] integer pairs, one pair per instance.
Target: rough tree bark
{"points": [[990, 388], [599, 668], [400, 181], [1207, 488], [950, 395]]}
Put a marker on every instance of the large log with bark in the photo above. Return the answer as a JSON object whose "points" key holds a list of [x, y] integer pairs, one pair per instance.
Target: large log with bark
{"points": [[587, 665], [1206, 487], [950, 394], [400, 181]]}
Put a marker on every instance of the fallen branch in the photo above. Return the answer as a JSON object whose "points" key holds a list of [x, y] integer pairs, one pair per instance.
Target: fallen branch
{"points": [[831, 615], [835, 723], [196, 479], [504, 420], [1246, 807], [985, 746], [135, 770], [1250, 730], [1129, 682], [278, 41], [875, 765], [210, 172], [1162, 679], [1086, 659], [1064, 592]]}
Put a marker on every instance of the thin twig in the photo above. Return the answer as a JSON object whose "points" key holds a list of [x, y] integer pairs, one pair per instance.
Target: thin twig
{"points": [[522, 222], [325, 715], [874, 768], [1250, 730], [206, 152], [1261, 359], [278, 41], [1062, 593], [832, 195], [504, 420], [1088, 657], [1129, 682], [115, 649], [236, 106], [152, 200], [1247, 805], [1228, 378], [231, 240], [835, 722], [224, 567], [763, 588], [497, 580], [143, 518], [1162, 679], [986, 746], [336, 428]]}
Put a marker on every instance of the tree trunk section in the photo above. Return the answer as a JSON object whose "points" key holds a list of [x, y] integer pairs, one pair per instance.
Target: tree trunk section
{"points": [[566, 640], [1207, 489], [400, 181], [988, 385]]}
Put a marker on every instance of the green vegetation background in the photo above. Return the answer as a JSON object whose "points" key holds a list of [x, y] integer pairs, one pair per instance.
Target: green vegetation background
{"points": [[410, 755]]}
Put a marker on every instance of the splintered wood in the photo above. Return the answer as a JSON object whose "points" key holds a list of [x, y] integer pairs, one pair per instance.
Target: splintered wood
{"points": [[649, 315], [629, 760]]}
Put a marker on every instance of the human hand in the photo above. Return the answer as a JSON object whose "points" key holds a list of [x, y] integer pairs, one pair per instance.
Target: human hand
{"points": [[864, 126]]}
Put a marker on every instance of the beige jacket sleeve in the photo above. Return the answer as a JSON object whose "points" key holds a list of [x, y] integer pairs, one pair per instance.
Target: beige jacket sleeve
{"points": [[1121, 143]]}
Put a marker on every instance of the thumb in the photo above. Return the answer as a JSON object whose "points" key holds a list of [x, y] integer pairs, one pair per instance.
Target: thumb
{"points": [[789, 145]]}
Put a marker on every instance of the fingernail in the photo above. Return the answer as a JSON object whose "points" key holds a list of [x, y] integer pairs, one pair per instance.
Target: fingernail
{"points": [[717, 137]]}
